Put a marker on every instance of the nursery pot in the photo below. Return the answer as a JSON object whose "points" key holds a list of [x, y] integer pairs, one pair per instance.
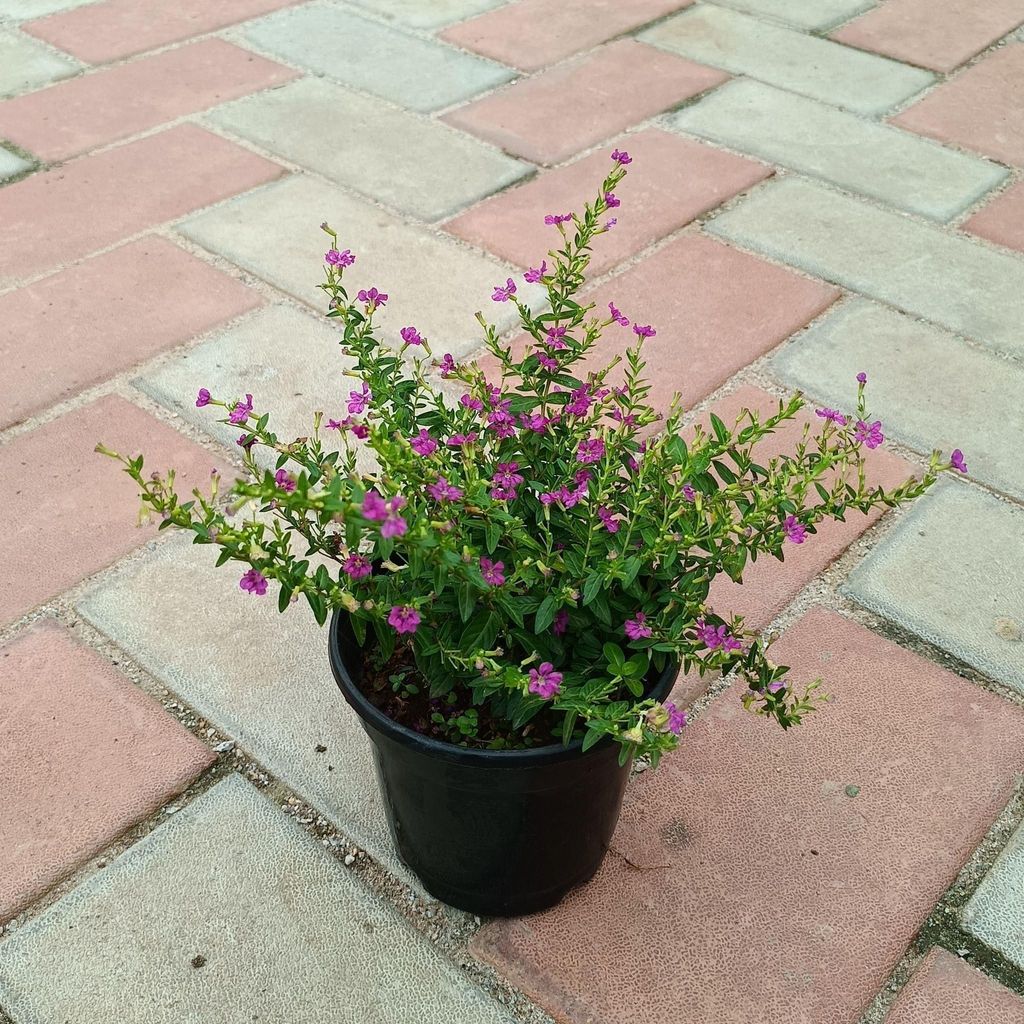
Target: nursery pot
{"points": [[493, 832]]}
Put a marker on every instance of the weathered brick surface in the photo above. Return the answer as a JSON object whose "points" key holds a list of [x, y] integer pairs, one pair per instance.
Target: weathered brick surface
{"points": [[71, 511], [816, 139], [1002, 220], [709, 936], [417, 14], [979, 109], [530, 34], [680, 179], [111, 104], [417, 73], [790, 60], [113, 29], [417, 166], [941, 38], [84, 755], [62, 215], [549, 117], [994, 912], [950, 280], [90, 322], [804, 14]]}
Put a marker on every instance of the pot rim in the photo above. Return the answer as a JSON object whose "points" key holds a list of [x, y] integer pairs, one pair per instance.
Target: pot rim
{"points": [[550, 753]]}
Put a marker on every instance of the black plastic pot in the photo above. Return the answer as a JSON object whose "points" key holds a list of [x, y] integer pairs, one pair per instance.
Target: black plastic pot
{"points": [[495, 832]]}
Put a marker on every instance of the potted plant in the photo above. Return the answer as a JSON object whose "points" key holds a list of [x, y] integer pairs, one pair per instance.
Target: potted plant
{"points": [[518, 580]]}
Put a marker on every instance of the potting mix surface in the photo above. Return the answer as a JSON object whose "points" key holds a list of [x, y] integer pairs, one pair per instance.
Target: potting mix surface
{"points": [[190, 829]]}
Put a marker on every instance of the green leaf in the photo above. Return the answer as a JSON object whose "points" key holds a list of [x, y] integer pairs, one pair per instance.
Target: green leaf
{"points": [[614, 656], [493, 536], [592, 737], [720, 429], [467, 601], [592, 588], [545, 613], [568, 724], [283, 598]]}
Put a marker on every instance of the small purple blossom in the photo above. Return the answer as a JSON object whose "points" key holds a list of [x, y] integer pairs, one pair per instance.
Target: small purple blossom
{"points": [[411, 336], [636, 628], [361, 430], [548, 362], [591, 450], [505, 481], [357, 566], [359, 401], [241, 411], [441, 490], [458, 440], [447, 365], [545, 681], [832, 414], [688, 492], [611, 200], [557, 218], [394, 525], [862, 377], [246, 441], [404, 618], [644, 332], [617, 316], [423, 444], [610, 223], [339, 259], [869, 434], [579, 403], [611, 523], [504, 294], [956, 460], [676, 717], [555, 337], [534, 274], [203, 398], [284, 480], [375, 508], [713, 638], [778, 684], [469, 402], [254, 582], [373, 297], [561, 623], [795, 530], [492, 572], [620, 156]]}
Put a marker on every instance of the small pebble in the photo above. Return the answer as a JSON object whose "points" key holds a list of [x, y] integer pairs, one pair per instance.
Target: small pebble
{"points": [[320, 748], [198, 961], [224, 748], [852, 790], [349, 860], [1008, 629]]}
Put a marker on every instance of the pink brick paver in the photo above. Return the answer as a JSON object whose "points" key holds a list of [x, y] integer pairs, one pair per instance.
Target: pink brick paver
{"points": [[945, 990], [979, 109], [92, 110], [680, 179], [549, 117], [937, 36], [769, 585], [751, 887], [107, 31], [1001, 220], [528, 34], [70, 511], [90, 322], [84, 755], [95, 201]]}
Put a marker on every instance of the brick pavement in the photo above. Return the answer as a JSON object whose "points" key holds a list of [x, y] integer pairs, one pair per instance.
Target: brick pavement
{"points": [[819, 187]]}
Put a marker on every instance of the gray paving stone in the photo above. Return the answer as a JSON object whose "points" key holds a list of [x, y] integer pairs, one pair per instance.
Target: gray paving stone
{"points": [[416, 165], [791, 60], [952, 571], [897, 167], [928, 386], [23, 10], [286, 932], [11, 164], [261, 676], [427, 15], [920, 268], [26, 64], [434, 284], [421, 74], [805, 14], [995, 913]]}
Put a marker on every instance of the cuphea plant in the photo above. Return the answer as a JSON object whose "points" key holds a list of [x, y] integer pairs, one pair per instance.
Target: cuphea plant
{"points": [[531, 546]]}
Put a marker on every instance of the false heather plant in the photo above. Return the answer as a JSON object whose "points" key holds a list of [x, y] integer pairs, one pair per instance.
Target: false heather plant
{"points": [[536, 537]]}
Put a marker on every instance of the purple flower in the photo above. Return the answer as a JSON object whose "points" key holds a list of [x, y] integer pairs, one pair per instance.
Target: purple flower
{"points": [[779, 684], [956, 460], [254, 582], [246, 441], [375, 508], [579, 403], [502, 423], [832, 414], [610, 223], [373, 297], [636, 628], [611, 200], [644, 332], [795, 530], [359, 401], [548, 362], [617, 316], [394, 525], [504, 294], [339, 259], [241, 411], [558, 218], [471, 403], [869, 433], [862, 377], [534, 422], [423, 443], [591, 450], [411, 336], [337, 424], [611, 524], [359, 429], [555, 336], [441, 490], [688, 492], [203, 398], [447, 365], [284, 480], [357, 566], [492, 572], [620, 156], [676, 717], [458, 440], [545, 681], [404, 618], [505, 481], [534, 274], [561, 623], [713, 638]]}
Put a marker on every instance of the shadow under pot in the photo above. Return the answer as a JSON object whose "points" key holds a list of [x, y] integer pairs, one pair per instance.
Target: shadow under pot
{"points": [[492, 832]]}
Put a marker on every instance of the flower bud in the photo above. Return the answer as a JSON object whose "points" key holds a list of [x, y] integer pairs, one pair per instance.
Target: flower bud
{"points": [[657, 717], [634, 735], [349, 603]]}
